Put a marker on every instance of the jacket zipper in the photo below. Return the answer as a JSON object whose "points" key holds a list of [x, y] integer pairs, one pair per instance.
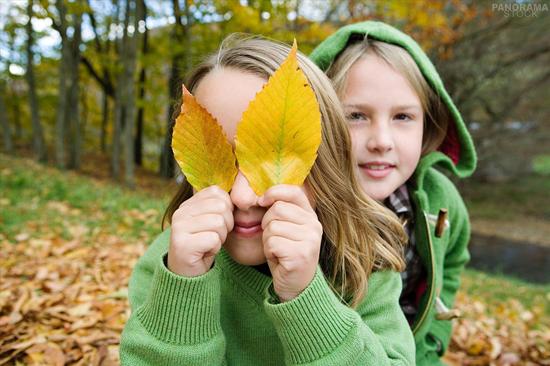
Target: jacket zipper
{"points": [[426, 309]]}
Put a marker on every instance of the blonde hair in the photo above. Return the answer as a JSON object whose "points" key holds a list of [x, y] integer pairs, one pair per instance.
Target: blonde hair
{"points": [[437, 116], [360, 235]]}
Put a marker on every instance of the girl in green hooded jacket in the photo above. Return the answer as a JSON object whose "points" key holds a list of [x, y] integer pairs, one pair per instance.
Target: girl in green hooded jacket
{"points": [[403, 123]]}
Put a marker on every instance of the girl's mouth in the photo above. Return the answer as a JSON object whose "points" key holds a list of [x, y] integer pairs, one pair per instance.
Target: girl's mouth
{"points": [[247, 229], [377, 170]]}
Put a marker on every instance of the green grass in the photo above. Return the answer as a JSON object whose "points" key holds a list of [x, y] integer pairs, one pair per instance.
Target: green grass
{"points": [[527, 196], [495, 289], [541, 165], [40, 200]]}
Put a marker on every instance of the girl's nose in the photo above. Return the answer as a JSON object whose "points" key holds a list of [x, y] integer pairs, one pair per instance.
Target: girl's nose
{"points": [[380, 138], [242, 195]]}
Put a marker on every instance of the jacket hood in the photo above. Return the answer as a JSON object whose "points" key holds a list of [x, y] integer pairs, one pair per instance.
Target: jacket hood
{"points": [[456, 153]]}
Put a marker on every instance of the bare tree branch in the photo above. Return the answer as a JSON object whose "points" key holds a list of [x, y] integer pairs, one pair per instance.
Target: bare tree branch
{"points": [[105, 83]]}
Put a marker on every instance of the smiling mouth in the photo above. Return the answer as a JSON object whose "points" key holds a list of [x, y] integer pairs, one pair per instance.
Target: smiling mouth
{"points": [[376, 166], [377, 170]]}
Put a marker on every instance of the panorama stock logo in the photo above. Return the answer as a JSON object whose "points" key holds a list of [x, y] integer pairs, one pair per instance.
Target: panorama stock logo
{"points": [[520, 9]]}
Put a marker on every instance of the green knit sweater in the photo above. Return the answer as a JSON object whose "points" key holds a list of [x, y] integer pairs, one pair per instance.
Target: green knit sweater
{"points": [[230, 316]]}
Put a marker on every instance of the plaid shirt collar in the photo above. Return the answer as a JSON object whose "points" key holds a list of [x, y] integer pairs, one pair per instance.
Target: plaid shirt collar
{"points": [[399, 202]]}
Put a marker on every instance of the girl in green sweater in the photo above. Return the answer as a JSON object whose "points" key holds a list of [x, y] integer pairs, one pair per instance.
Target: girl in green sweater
{"points": [[300, 275], [403, 124]]}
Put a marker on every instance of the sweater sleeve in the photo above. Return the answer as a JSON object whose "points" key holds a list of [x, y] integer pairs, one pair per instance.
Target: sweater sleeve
{"points": [[175, 320], [315, 328]]}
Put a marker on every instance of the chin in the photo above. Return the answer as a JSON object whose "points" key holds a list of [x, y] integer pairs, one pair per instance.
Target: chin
{"points": [[380, 197], [247, 260], [248, 252], [377, 194]]}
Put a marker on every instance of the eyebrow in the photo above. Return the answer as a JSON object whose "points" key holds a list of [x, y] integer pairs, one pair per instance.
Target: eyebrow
{"points": [[410, 106], [368, 106], [356, 105]]}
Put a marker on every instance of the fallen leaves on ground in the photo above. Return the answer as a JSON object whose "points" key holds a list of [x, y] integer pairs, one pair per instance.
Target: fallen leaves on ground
{"points": [[63, 302], [508, 334]]}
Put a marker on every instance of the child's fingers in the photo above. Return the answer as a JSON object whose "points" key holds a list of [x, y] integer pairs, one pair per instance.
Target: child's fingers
{"points": [[215, 206], [285, 229], [204, 206], [212, 192], [209, 222], [212, 206], [277, 249], [285, 211], [288, 193], [217, 192], [207, 241], [212, 200]]}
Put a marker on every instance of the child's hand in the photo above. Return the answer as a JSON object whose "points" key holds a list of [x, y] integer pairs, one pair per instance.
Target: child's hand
{"points": [[292, 239], [199, 228]]}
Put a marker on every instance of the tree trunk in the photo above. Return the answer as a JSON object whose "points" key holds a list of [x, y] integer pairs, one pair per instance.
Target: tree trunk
{"points": [[116, 141], [39, 145], [17, 118], [61, 114], [297, 11], [180, 36], [138, 145], [167, 155], [104, 76], [75, 147], [129, 100], [119, 93], [4, 123], [16, 107], [138, 142], [104, 121], [83, 115]]}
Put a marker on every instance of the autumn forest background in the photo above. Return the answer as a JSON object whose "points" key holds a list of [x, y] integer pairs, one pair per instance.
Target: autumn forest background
{"points": [[87, 96]]}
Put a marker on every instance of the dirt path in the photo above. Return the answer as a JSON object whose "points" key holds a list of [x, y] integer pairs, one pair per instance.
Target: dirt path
{"points": [[523, 229]]}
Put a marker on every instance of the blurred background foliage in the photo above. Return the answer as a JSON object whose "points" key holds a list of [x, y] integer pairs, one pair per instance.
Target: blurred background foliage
{"points": [[84, 78]]}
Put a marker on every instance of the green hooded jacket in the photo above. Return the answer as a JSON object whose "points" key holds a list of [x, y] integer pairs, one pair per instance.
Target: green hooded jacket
{"points": [[443, 256]]}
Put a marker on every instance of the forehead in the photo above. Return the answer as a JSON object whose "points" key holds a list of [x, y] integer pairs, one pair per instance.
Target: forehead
{"points": [[374, 79], [226, 93]]}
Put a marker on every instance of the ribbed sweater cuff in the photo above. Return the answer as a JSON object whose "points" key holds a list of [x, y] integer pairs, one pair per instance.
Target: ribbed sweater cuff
{"points": [[182, 310], [311, 325]]}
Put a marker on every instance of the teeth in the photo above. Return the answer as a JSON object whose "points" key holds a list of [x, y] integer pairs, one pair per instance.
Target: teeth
{"points": [[377, 167]]}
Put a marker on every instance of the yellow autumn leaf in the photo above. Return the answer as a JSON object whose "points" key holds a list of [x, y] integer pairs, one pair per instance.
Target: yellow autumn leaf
{"points": [[201, 148], [280, 132]]}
